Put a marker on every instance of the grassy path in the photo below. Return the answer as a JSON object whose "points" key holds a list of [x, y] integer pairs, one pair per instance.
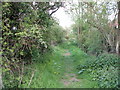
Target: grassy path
{"points": [[60, 71], [71, 79]]}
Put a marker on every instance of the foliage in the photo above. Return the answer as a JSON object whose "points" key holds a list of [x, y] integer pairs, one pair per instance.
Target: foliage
{"points": [[49, 74], [19, 37], [27, 28], [29, 36], [46, 74], [96, 34], [94, 15], [91, 42], [56, 34], [104, 68]]}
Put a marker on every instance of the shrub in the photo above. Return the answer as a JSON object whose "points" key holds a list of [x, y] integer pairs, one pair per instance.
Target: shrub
{"points": [[104, 68], [91, 42]]}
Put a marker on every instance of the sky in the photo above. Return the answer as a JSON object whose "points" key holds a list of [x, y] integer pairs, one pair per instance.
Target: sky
{"points": [[64, 19]]}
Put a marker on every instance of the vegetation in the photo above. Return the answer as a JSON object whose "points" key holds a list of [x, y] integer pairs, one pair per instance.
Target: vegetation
{"points": [[27, 28], [39, 53]]}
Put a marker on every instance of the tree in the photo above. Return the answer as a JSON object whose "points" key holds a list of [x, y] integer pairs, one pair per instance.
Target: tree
{"points": [[95, 16], [118, 32]]}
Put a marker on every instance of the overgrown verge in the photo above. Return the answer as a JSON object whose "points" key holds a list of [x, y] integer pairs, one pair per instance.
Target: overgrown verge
{"points": [[44, 72], [104, 68]]}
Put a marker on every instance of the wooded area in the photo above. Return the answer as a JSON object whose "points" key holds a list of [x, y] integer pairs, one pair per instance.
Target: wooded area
{"points": [[39, 53]]}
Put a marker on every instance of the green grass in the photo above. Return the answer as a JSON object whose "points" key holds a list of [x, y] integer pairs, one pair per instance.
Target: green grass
{"points": [[79, 57], [49, 74]]}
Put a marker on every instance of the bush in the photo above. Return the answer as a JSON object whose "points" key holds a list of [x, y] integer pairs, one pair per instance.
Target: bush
{"points": [[91, 42], [104, 68], [107, 77]]}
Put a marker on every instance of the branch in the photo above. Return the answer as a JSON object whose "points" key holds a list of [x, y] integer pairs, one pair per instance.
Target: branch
{"points": [[31, 78], [54, 11]]}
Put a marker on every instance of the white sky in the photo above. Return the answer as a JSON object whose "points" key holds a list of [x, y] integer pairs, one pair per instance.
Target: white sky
{"points": [[64, 19]]}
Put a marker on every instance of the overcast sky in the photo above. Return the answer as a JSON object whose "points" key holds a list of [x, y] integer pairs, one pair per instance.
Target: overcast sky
{"points": [[64, 19]]}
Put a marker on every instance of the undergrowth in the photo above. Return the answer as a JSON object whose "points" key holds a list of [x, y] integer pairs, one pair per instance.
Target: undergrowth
{"points": [[103, 68], [47, 74], [47, 70]]}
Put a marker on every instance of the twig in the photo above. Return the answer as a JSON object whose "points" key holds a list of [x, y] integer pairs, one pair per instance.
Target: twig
{"points": [[21, 76], [31, 69], [31, 78]]}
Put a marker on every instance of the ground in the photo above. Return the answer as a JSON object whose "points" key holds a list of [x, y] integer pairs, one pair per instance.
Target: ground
{"points": [[69, 77], [60, 70]]}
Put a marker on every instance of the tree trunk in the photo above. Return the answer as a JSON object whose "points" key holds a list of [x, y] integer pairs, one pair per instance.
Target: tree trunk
{"points": [[1, 84], [79, 27], [117, 47], [118, 39], [118, 32]]}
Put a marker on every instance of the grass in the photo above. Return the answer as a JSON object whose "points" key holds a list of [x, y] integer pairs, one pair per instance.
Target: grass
{"points": [[49, 74], [79, 57]]}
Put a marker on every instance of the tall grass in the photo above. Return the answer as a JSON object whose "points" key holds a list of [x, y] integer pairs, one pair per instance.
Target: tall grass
{"points": [[47, 75]]}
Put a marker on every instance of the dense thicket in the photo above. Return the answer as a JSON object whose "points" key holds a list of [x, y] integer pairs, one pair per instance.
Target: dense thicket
{"points": [[27, 26]]}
